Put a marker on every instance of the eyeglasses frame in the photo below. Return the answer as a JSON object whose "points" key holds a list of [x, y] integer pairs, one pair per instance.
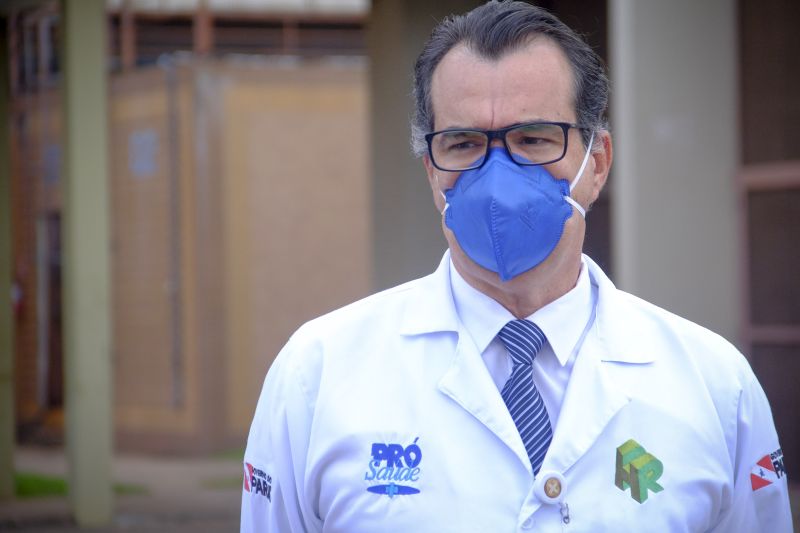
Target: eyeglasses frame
{"points": [[501, 134]]}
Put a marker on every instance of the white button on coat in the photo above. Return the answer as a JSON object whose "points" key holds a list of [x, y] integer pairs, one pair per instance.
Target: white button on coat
{"points": [[550, 487]]}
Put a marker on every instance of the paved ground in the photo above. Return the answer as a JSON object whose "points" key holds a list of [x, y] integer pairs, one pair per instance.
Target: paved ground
{"points": [[181, 495]]}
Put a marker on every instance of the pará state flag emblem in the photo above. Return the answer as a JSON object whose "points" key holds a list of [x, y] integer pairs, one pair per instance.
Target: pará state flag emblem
{"points": [[767, 470]]}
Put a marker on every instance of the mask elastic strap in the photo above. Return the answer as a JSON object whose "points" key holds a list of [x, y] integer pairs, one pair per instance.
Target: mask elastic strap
{"points": [[446, 203], [578, 177], [576, 205]]}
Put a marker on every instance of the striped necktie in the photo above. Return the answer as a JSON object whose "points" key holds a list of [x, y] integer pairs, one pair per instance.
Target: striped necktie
{"points": [[523, 339]]}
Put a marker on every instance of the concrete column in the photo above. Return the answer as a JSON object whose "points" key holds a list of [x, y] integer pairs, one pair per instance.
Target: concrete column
{"points": [[87, 311], [407, 235], [6, 318], [674, 119]]}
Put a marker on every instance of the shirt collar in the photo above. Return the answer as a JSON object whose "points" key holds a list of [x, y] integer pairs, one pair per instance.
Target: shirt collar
{"points": [[563, 320]]}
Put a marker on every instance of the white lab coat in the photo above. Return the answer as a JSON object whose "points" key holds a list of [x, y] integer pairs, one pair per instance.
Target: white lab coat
{"points": [[398, 369]]}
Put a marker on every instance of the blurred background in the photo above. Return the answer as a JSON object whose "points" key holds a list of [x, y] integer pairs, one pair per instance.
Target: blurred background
{"points": [[244, 166]]}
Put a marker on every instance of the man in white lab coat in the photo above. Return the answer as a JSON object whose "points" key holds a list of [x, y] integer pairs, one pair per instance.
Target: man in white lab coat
{"points": [[515, 388]]}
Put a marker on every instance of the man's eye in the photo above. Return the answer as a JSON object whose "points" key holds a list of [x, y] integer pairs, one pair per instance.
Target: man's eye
{"points": [[466, 145], [532, 140]]}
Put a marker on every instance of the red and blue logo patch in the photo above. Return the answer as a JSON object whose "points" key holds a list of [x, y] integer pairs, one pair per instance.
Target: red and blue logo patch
{"points": [[767, 470], [256, 481]]}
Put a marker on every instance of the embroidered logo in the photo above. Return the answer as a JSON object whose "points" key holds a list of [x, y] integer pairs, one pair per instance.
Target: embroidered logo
{"points": [[638, 470], [256, 481], [767, 470], [396, 466]]}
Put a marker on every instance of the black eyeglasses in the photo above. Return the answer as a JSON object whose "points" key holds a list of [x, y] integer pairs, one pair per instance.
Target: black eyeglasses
{"points": [[532, 143]]}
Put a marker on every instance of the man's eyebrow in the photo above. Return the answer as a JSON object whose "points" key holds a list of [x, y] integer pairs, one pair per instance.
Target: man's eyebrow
{"points": [[458, 127], [512, 125], [460, 131], [532, 121]]}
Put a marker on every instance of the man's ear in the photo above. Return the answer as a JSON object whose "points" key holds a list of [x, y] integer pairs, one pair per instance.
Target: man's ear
{"points": [[429, 169], [602, 155]]}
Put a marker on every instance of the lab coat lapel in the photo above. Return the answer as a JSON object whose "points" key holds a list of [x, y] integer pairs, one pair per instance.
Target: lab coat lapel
{"points": [[468, 383], [590, 402], [430, 309], [592, 399]]}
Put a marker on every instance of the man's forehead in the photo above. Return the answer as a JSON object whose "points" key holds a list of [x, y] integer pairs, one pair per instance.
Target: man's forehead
{"points": [[537, 50], [482, 52], [534, 79]]}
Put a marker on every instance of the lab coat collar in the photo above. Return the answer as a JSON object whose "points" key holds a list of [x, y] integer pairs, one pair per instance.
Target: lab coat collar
{"points": [[430, 307], [615, 323]]}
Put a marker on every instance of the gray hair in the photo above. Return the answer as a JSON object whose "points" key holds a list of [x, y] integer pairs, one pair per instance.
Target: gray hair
{"points": [[499, 27]]}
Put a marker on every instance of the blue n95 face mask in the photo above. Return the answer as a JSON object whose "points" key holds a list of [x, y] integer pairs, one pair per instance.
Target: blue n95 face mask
{"points": [[508, 218]]}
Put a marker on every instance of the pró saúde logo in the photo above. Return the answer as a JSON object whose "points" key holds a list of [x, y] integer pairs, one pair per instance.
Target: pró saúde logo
{"points": [[394, 468], [256, 481]]}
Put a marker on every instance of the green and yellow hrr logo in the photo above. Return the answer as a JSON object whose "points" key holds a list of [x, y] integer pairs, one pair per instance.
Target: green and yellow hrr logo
{"points": [[638, 470]]}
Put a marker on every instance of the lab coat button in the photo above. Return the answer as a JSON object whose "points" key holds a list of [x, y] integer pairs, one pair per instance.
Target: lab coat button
{"points": [[527, 523], [550, 487]]}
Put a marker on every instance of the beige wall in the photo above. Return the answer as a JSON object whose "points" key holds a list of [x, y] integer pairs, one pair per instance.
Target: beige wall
{"points": [[156, 360], [295, 212], [239, 210], [253, 220], [238, 216]]}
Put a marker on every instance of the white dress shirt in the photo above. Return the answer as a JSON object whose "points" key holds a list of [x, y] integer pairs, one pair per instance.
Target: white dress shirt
{"points": [[564, 322]]}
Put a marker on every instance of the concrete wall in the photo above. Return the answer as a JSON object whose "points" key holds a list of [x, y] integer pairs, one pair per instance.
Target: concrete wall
{"points": [[86, 272], [674, 119], [407, 235]]}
